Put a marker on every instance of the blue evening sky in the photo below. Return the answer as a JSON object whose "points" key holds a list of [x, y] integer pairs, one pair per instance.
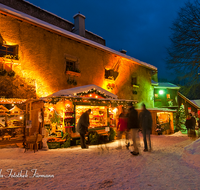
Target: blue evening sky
{"points": [[142, 27]]}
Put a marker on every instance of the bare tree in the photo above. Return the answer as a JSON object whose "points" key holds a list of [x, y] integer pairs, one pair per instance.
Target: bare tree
{"points": [[184, 52]]}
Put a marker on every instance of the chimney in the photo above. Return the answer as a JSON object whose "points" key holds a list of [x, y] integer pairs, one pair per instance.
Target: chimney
{"points": [[79, 24], [123, 51]]}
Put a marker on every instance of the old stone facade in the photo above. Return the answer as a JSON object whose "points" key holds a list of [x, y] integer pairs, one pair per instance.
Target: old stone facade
{"points": [[43, 55]]}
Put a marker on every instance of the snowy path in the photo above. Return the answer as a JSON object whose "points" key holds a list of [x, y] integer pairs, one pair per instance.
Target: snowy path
{"points": [[163, 168]]}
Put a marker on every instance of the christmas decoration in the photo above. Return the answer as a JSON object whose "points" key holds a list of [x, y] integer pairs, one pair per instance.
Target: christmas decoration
{"points": [[180, 119]]}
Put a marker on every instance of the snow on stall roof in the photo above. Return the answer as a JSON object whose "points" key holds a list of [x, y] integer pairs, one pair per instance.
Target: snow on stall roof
{"points": [[192, 102], [166, 85], [159, 109], [154, 82], [46, 25], [79, 89], [197, 102]]}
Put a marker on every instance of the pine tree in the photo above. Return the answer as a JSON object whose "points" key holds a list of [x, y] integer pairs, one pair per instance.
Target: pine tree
{"points": [[180, 119]]}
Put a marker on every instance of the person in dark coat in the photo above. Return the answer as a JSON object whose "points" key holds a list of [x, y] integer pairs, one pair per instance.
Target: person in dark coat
{"points": [[146, 124], [82, 127], [188, 124], [133, 126], [193, 121]]}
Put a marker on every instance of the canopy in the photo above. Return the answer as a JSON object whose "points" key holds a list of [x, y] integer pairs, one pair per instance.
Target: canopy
{"points": [[83, 89]]}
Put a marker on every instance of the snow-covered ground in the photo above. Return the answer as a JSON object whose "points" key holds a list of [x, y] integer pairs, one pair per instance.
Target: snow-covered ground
{"points": [[168, 166]]}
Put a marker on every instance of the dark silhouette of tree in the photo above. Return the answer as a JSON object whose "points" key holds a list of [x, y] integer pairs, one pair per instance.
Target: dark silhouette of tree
{"points": [[184, 52]]}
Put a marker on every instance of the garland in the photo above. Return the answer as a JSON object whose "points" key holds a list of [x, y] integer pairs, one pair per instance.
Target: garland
{"points": [[94, 91]]}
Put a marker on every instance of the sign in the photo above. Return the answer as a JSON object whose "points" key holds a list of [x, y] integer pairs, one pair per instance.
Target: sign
{"points": [[107, 128]]}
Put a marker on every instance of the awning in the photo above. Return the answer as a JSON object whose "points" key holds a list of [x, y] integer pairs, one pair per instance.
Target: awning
{"points": [[83, 89]]}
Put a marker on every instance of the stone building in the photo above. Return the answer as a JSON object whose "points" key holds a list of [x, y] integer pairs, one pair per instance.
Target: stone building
{"points": [[48, 54]]}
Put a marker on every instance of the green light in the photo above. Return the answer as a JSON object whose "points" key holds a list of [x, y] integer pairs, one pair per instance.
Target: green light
{"points": [[161, 92]]}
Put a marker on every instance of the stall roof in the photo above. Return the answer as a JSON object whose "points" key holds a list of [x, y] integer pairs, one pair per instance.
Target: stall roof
{"points": [[197, 102], [165, 85], [12, 100], [159, 109], [80, 89]]}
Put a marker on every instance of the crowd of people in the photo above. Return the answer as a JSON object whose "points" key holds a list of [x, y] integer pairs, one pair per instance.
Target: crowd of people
{"points": [[191, 124], [129, 123]]}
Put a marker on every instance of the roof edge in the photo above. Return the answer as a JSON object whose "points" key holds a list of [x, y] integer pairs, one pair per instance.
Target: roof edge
{"points": [[47, 26]]}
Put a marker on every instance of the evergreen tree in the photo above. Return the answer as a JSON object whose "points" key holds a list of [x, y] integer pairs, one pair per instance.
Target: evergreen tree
{"points": [[180, 119]]}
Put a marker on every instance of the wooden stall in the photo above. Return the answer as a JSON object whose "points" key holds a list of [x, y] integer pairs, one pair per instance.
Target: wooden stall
{"points": [[12, 121]]}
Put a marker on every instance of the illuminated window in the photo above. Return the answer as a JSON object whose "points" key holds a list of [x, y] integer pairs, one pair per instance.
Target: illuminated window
{"points": [[71, 66], [8, 51], [156, 95], [168, 96]]}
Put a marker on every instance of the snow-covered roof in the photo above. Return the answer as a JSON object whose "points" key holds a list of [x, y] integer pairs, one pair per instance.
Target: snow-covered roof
{"points": [[35, 21], [73, 91], [158, 109], [154, 82], [15, 109], [167, 85], [197, 102]]}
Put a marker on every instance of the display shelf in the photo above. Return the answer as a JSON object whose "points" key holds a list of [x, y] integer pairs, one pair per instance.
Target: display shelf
{"points": [[69, 117], [68, 126]]}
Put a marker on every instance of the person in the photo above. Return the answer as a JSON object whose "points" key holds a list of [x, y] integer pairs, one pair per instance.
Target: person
{"points": [[145, 119], [82, 127], [193, 122], [188, 124], [122, 126], [133, 126]]}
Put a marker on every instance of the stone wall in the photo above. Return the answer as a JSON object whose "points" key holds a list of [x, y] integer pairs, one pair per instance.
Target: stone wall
{"points": [[43, 57]]}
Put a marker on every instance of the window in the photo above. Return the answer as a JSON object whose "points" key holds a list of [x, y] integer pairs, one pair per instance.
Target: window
{"points": [[134, 81], [168, 96], [7, 50], [71, 66]]}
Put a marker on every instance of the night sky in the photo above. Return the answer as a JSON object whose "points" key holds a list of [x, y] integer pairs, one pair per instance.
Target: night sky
{"points": [[142, 28]]}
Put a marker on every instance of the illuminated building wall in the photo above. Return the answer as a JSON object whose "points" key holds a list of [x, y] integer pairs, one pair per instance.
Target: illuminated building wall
{"points": [[42, 64]]}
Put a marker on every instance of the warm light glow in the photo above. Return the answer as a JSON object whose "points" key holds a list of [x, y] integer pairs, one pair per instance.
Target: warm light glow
{"points": [[90, 95], [96, 96], [115, 110], [20, 117], [51, 109]]}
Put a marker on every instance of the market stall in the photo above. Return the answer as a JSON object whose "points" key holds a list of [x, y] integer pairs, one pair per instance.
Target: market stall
{"points": [[162, 120], [12, 128], [64, 108]]}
